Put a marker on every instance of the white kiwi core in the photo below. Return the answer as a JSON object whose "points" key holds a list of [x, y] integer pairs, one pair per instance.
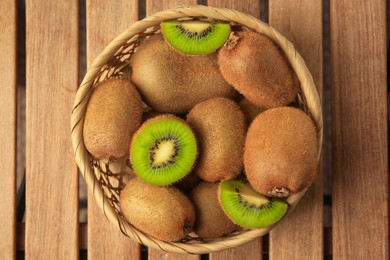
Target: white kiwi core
{"points": [[252, 197], [164, 152], [195, 26]]}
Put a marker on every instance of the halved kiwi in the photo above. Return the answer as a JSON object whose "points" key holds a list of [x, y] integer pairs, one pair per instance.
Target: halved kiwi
{"points": [[247, 208], [163, 150], [195, 37]]}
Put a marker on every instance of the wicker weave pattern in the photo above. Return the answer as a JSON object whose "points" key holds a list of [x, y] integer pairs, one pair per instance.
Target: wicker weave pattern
{"points": [[113, 62]]}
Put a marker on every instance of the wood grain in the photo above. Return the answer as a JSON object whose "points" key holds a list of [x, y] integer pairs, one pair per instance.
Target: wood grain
{"points": [[51, 174], [253, 248], [360, 155], [153, 6], [105, 20], [251, 7], [301, 22], [8, 129]]}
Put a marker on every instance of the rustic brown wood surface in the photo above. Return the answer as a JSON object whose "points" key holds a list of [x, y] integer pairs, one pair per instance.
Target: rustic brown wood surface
{"points": [[8, 129], [301, 23], [360, 155], [51, 174], [359, 130], [105, 20], [152, 7], [254, 248]]}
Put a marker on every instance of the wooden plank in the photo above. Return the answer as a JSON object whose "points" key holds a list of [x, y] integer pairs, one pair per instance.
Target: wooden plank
{"points": [[51, 174], [300, 235], [252, 250], [360, 155], [153, 6], [105, 241], [8, 129]]}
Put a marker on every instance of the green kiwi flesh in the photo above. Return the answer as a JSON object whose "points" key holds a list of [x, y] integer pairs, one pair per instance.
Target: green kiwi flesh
{"points": [[195, 37], [255, 66], [280, 154], [163, 150], [220, 128], [247, 208], [113, 114], [164, 213], [172, 82], [211, 221]]}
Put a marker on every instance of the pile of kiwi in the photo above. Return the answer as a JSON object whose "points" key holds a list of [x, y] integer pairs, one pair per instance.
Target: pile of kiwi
{"points": [[208, 124]]}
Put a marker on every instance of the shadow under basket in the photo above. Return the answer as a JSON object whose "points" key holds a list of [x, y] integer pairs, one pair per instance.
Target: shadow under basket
{"points": [[102, 178]]}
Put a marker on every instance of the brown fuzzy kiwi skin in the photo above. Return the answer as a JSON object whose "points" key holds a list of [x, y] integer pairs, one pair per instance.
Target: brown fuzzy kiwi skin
{"points": [[255, 66], [220, 128], [211, 221], [164, 213], [280, 155], [172, 82], [113, 114], [250, 110]]}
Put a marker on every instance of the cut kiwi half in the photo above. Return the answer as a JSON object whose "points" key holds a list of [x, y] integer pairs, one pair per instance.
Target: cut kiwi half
{"points": [[247, 208], [163, 150], [195, 37]]}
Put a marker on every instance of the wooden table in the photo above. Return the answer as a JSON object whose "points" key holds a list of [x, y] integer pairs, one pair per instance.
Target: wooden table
{"points": [[352, 85]]}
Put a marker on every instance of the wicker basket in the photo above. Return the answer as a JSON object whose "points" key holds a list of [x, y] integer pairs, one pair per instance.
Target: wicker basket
{"points": [[101, 177]]}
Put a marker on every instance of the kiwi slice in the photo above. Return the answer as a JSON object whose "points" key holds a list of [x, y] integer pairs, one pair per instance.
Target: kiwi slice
{"points": [[163, 150], [195, 37], [247, 208]]}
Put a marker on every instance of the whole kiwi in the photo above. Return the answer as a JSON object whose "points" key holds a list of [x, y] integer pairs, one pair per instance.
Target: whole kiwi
{"points": [[255, 66], [280, 155], [173, 82], [164, 213], [113, 114], [211, 221], [220, 128]]}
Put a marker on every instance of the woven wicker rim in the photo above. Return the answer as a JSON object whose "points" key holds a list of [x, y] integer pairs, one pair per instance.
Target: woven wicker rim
{"points": [[83, 159]]}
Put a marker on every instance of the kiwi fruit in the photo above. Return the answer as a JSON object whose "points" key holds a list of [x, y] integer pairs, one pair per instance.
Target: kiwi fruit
{"points": [[254, 65], [172, 82], [164, 213], [250, 110], [280, 155], [113, 114], [163, 150], [247, 208], [211, 221], [195, 37], [220, 128]]}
